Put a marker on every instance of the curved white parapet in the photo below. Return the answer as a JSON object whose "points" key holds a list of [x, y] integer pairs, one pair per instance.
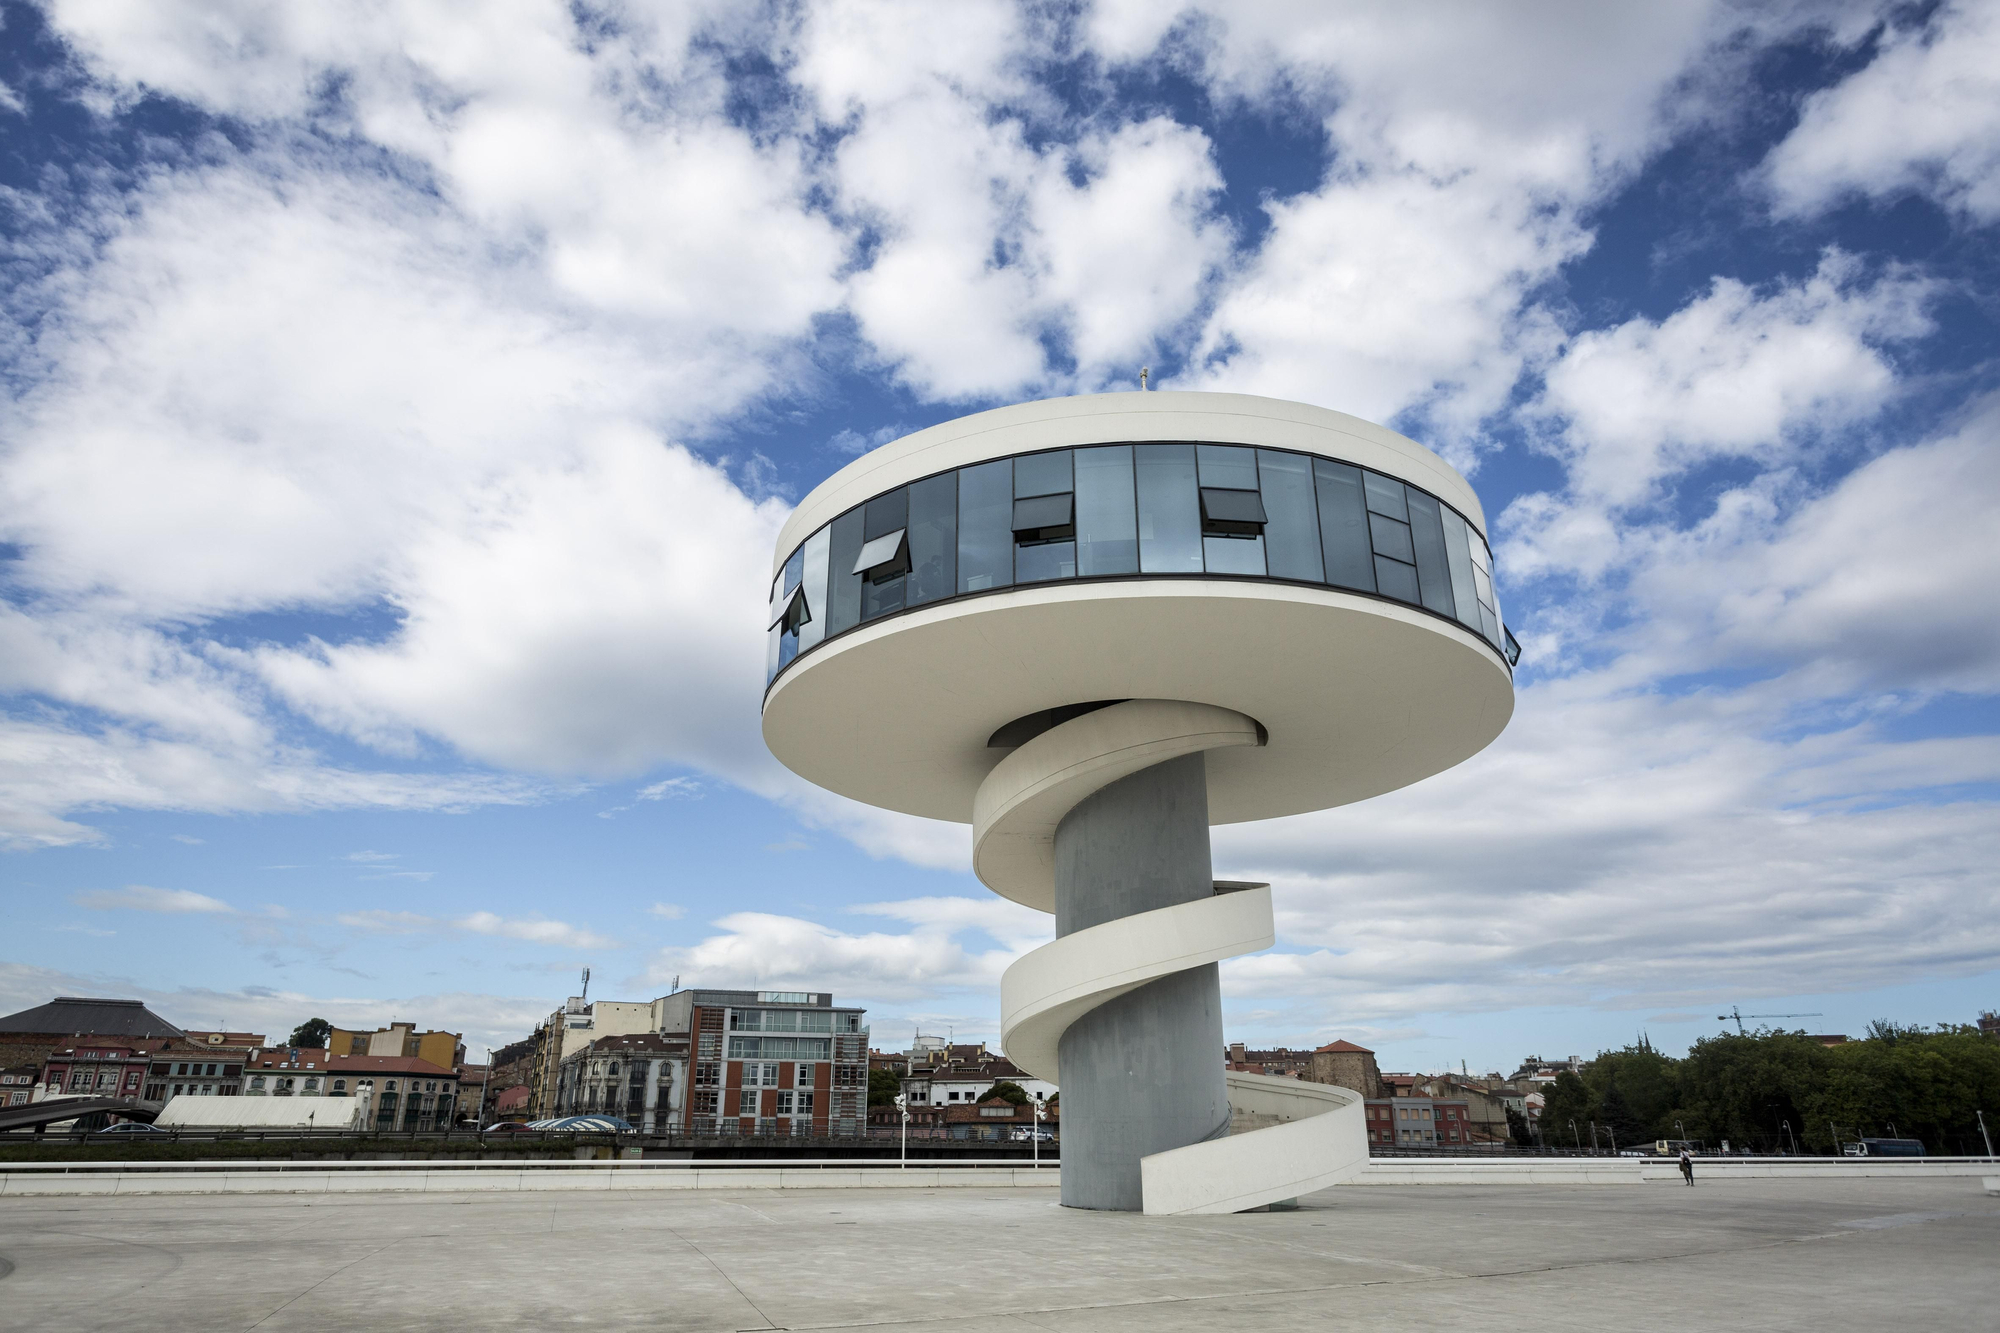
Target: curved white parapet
{"points": [[1314, 1135], [1047, 990], [1017, 808], [1321, 1140]]}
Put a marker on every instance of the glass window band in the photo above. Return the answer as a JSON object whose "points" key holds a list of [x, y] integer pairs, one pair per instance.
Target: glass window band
{"points": [[1122, 511]]}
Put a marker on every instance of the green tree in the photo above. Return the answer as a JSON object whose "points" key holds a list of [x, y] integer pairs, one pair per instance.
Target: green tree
{"points": [[1614, 1113], [883, 1085], [1566, 1100], [1517, 1129], [1007, 1091], [312, 1034]]}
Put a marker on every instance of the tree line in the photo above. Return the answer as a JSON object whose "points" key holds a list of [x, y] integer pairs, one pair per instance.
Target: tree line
{"points": [[1774, 1090]]}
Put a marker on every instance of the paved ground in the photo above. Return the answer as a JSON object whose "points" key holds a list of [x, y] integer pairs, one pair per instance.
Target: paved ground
{"points": [[1762, 1254]]}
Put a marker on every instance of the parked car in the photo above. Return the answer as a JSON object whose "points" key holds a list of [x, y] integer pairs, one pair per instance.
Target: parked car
{"points": [[1026, 1135], [131, 1127]]}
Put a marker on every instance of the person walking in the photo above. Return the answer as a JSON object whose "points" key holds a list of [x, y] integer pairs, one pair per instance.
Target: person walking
{"points": [[1687, 1167]]}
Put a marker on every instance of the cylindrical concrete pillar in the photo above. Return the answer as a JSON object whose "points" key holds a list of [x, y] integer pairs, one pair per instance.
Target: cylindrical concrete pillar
{"points": [[1142, 1073]]}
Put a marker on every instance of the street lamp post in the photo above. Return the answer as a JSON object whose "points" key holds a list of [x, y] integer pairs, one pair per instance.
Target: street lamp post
{"points": [[1982, 1132], [903, 1108], [485, 1079], [1574, 1135], [1041, 1114], [1791, 1136], [1681, 1133]]}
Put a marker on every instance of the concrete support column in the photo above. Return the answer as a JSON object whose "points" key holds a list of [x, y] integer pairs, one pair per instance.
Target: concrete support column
{"points": [[1141, 1073]]}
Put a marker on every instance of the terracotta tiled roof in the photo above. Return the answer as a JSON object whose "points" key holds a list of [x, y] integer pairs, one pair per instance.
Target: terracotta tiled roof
{"points": [[1344, 1048]]}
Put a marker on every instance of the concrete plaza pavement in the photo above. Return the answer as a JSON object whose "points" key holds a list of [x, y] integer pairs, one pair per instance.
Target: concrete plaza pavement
{"points": [[1746, 1254]]}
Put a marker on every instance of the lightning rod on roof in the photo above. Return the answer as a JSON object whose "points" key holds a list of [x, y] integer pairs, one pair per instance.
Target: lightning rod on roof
{"points": [[1144, 372]]}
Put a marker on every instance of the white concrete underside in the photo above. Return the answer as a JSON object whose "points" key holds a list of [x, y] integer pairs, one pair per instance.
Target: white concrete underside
{"points": [[1359, 696]]}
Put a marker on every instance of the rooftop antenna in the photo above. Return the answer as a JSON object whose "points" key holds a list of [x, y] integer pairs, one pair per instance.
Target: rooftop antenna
{"points": [[586, 985], [1144, 372]]}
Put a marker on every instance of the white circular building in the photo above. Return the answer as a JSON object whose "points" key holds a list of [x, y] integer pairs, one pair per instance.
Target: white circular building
{"points": [[1092, 627]]}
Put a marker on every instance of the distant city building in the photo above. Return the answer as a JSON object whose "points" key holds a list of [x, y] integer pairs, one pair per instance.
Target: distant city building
{"points": [[774, 1062], [1418, 1122], [575, 1025], [997, 1121], [1535, 1069], [510, 1103], [756, 1062], [513, 1066], [213, 1072], [1989, 1025], [101, 1066], [1346, 1065], [18, 1083], [445, 1049], [641, 1079], [1282, 1062], [228, 1041], [30, 1036], [965, 1083], [404, 1093]]}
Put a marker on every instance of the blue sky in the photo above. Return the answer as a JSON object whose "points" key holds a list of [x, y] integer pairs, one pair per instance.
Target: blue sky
{"points": [[400, 412]]}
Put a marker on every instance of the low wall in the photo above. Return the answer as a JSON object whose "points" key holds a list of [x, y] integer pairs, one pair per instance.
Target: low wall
{"points": [[139, 1178], [1642, 1170], [495, 1177]]}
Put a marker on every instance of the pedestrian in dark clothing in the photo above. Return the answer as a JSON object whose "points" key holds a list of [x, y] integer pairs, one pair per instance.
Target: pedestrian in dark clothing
{"points": [[1687, 1167]]}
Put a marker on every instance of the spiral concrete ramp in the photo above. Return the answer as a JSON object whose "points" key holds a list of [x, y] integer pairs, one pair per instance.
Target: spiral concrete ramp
{"points": [[1300, 1136]]}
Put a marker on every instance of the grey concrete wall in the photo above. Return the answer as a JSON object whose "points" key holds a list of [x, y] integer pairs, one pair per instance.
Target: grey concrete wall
{"points": [[1142, 1073]]}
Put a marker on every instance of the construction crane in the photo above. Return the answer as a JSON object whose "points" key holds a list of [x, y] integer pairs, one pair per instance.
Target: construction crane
{"points": [[1739, 1017]]}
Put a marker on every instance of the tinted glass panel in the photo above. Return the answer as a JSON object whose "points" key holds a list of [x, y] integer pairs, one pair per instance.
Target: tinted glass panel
{"points": [[1385, 496], [776, 633], [1231, 506], [933, 539], [1044, 511], [1391, 539], [843, 600], [879, 599], [1107, 530], [1234, 555], [886, 514], [788, 643], [814, 629], [1396, 579], [1041, 474], [878, 551], [1291, 526], [1169, 513], [1458, 551], [1343, 526], [1433, 570], [986, 526], [1044, 561], [1227, 465]]}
